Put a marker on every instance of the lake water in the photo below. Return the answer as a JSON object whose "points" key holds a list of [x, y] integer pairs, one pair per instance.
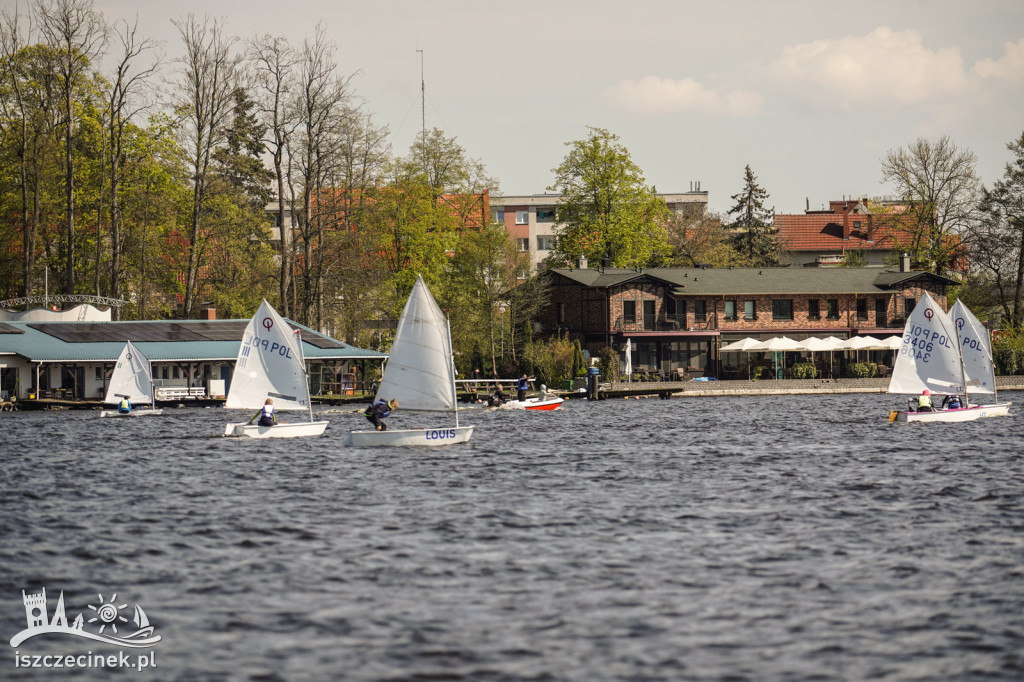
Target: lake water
{"points": [[733, 538]]}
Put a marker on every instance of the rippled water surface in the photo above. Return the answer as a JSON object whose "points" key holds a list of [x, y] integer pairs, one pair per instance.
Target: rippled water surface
{"points": [[761, 538]]}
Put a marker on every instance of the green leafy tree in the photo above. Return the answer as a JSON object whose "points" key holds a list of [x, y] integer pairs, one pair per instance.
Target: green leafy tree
{"points": [[607, 209], [999, 249], [754, 236], [854, 259], [483, 271]]}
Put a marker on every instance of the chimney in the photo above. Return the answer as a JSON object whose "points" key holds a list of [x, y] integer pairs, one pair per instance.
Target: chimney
{"points": [[905, 263], [208, 314], [606, 262], [847, 223], [583, 263]]}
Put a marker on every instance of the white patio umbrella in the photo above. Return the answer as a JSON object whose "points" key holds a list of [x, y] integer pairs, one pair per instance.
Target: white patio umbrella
{"points": [[740, 346], [778, 344], [629, 359]]}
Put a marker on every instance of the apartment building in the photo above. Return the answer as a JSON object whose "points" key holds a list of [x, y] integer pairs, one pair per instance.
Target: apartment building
{"points": [[530, 218]]}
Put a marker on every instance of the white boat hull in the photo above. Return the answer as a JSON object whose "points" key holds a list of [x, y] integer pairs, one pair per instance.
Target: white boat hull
{"points": [[134, 413], [552, 403], [282, 430], [964, 414], [404, 437]]}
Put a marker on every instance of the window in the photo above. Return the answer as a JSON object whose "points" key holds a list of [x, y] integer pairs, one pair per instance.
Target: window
{"points": [[545, 215], [814, 309], [833, 308], [523, 244], [174, 371], [545, 242], [629, 311], [700, 312], [862, 308], [782, 309], [856, 224], [750, 310], [499, 217], [522, 217], [561, 313], [730, 310], [908, 306]]}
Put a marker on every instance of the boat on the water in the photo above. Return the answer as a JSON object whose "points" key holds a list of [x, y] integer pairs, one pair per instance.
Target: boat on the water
{"points": [[270, 364], [548, 402], [947, 354], [420, 374], [132, 379]]}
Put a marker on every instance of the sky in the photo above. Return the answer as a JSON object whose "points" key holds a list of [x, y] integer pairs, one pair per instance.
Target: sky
{"points": [[811, 94]]}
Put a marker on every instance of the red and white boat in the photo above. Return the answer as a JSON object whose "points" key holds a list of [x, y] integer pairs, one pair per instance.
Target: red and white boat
{"points": [[549, 402]]}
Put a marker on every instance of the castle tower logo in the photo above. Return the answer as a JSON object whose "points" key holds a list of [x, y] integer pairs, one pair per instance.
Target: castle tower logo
{"points": [[107, 618]]}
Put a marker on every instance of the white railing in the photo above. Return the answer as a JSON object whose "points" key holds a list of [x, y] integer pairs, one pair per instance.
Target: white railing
{"points": [[179, 392]]}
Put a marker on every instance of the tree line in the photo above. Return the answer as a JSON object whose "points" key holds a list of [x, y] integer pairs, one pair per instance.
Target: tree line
{"points": [[127, 176]]}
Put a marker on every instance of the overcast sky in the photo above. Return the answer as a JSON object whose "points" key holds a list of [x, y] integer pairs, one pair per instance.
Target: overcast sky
{"points": [[811, 94]]}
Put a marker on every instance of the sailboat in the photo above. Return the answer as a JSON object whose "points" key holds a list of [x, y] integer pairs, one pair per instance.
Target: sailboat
{"points": [[420, 374], [133, 379], [945, 355], [270, 364]]}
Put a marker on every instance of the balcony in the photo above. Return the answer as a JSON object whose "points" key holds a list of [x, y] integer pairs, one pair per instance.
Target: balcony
{"points": [[662, 323]]}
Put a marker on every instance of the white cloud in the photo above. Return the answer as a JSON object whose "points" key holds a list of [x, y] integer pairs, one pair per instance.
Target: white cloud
{"points": [[884, 65], [1010, 67], [653, 95]]}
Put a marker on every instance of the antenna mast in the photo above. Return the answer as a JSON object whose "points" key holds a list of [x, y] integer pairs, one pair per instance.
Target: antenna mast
{"points": [[423, 99]]}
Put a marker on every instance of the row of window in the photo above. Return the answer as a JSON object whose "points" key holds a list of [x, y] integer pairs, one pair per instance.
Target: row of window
{"points": [[544, 215], [782, 309], [545, 242]]}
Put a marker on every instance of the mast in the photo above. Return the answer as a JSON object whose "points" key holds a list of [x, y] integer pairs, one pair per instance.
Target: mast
{"points": [[451, 362], [305, 374], [963, 372]]}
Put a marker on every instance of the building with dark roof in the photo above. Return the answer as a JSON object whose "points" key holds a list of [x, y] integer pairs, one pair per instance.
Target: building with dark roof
{"points": [[676, 319], [73, 360]]}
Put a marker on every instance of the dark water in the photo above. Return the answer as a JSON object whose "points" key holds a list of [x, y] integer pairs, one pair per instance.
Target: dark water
{"points": [[771, 538]]}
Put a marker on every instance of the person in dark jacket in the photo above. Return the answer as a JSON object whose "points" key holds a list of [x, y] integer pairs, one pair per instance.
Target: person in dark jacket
{"points": [[378, 411]]}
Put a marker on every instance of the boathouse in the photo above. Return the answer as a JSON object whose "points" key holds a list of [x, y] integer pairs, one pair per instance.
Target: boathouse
{"points": [[676, 319], [70, 356]]}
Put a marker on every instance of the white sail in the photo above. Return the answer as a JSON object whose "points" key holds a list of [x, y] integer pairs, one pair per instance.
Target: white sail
{"points": [[269, 365], [975, 349], [132, 378], [419, 372], [928, 357]]}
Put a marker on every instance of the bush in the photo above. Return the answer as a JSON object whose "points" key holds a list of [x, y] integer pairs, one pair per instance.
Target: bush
{"points": [[804, 370], [861, 370], [1008, 351]]}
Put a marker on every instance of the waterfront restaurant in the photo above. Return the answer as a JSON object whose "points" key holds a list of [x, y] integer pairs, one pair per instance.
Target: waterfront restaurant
{"points": [[677, 319], [59, 356]]}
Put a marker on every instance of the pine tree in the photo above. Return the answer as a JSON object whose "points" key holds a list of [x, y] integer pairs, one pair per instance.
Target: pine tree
{"points": [[754, 234]]}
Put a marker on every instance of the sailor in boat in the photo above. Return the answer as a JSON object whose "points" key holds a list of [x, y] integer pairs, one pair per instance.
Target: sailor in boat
{"points": [[924, 401], [951, 402], [544, 395], [521, 387], [378, 411], [266, 414], [497, 397], [125, 406]]}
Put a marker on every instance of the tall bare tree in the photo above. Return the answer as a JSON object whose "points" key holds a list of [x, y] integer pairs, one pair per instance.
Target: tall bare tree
{"points": [[1000, 251], [123, 103], [78, 34], [209, 76], [275, 61], [940, 190], [323, 100]]}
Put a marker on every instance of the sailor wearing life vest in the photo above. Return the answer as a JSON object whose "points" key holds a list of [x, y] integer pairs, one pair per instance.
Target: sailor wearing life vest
{"points": [[125, 406], [924, 402], [266, 414]]}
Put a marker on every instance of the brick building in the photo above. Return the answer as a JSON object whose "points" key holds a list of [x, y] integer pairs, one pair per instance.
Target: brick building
{"points": [[678, 318]]}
